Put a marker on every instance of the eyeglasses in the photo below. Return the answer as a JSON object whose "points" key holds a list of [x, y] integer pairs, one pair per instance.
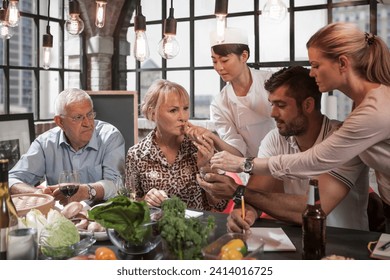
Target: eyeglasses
{"points": [[80, 118]]}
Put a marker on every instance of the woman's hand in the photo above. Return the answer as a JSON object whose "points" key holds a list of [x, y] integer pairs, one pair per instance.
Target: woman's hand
{"points": [[155, 197], [205, 147], [226, 161]]}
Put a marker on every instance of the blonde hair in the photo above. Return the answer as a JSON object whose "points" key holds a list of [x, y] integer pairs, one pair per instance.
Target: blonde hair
{"points": [[157, 93], [369, 54]]}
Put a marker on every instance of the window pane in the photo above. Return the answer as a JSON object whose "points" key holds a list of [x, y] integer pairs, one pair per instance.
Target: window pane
{"points": [[180, 77], [72, 52], [307, 27], [22, 45], [130, 81], [147, 78], [29, 6], [2, 92], [203, 7], [22, 91], [181, 8], [274, 40], [207, 7], [151, 9], [48, 91], [202, 42], [55, 8], [240, 6], [204, 91], [299, 3], [384, 23], [72, 80], [359, 15], [3, 51]]}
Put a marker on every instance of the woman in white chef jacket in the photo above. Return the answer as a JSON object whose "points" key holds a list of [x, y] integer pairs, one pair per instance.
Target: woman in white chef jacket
{"points": [[241, 112]]}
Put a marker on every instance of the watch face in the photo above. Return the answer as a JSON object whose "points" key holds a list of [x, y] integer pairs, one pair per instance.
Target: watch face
{"points": [[247, 165], [93, 191]]}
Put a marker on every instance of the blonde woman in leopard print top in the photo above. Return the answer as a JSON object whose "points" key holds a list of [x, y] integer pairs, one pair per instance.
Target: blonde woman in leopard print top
{"points": [[166, 161]]}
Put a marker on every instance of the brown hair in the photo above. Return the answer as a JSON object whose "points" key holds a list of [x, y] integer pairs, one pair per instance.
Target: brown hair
{"points": [[369, 54], [298, 82], [156, 94], [226, 49]]}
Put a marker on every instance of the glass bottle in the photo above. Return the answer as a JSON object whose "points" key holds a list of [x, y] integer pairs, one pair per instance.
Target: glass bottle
{"points": [[8, 214], [313, 225]]}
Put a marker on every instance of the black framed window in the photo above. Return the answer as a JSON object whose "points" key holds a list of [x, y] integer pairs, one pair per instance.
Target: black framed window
{"points": [[273, 44], [25, 87]]}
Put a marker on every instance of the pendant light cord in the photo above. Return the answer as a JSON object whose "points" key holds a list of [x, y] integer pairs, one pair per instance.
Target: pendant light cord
{"points": [[48, 13]]}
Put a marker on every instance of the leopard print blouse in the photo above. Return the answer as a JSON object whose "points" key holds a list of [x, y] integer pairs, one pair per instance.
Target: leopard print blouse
{"points": [[146, 163]]}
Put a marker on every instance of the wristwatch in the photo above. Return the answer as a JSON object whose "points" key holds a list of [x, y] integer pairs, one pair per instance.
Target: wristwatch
{"points": [[247, 166], [238, 194], [91, 192]]}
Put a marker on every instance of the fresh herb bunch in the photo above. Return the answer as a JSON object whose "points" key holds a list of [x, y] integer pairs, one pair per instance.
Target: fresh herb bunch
{"points": [[185, 237]]}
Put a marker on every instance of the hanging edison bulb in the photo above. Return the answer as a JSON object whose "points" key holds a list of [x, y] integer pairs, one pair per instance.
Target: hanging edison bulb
{"points": [[100, 13], [141, 46], [13, 15], [6, 32], [74, 25], [47, 44], [275, 10], [221, 10], [169, 47]]}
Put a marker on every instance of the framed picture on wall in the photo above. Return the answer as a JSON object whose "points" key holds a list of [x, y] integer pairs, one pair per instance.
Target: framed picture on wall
{"points": [[17, 133]]}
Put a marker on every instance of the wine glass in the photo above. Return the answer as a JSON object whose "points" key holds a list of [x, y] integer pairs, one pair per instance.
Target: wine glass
{"points": [[69, 182], [127, 190]]}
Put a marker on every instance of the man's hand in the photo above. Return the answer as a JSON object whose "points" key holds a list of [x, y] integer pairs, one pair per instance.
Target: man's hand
{"points": [[235, 222], [217, 185]]}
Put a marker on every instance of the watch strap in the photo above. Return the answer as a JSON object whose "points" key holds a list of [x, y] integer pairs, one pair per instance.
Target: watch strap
{"points": [[238, 194]]}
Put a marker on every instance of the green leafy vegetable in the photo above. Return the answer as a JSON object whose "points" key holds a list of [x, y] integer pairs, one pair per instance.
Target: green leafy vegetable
{"points": [[124, 216], [57, 235], [185, 237]]}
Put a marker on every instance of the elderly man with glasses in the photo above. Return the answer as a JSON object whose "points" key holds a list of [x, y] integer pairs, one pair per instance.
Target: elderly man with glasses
{"points": [[94, 148]]}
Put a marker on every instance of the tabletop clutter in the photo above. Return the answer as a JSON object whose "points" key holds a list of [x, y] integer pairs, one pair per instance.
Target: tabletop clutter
{"points": [[134, 228]]}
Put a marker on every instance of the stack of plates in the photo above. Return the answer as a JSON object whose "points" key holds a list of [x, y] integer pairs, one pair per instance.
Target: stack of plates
{"points": [[25, 202]]}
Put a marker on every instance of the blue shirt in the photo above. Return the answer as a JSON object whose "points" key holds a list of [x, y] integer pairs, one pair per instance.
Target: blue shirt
{"points": [[101, 160]]}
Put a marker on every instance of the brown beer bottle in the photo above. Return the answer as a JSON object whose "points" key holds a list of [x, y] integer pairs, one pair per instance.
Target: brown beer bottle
{"points": [[313, 225], [8, 214]]}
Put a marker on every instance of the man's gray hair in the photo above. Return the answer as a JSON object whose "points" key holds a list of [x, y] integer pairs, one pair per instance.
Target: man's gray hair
{"points": [[69, 96]]}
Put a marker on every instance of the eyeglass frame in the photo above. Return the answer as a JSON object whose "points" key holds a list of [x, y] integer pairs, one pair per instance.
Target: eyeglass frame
{"points": [[80, 118]]}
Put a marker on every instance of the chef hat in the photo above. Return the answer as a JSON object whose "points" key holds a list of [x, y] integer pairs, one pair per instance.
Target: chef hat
{"points": [[232, 36]]}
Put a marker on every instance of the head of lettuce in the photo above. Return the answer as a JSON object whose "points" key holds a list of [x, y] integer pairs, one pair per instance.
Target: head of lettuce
{"points": [[57, 236], [125, 216]]}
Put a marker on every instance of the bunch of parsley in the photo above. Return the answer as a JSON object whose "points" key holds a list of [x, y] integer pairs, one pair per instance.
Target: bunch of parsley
{"points": [[185, 237]]}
